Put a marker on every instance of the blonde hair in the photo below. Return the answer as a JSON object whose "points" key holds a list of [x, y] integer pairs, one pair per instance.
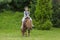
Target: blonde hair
{"points": [[26, 8]]}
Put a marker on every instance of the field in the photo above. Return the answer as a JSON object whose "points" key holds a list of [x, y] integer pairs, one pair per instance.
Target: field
{"points": [[10, 23], [35, 35]]}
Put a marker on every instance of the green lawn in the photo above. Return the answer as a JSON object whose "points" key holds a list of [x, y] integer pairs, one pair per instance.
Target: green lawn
{"points": [[10, 20], [10, 23], [35, 35]]}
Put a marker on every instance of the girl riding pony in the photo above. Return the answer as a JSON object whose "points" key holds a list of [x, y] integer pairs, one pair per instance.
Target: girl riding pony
{"points": [[26, 14]]}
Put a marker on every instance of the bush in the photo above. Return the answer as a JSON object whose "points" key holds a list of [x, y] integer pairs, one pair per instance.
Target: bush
{"points": [[47, 25], [56, 13], [43, 14]]}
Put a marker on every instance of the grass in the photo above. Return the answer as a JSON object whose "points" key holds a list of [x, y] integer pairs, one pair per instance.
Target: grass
{"points": [[10, 20], [10, 23], [35, 35]]}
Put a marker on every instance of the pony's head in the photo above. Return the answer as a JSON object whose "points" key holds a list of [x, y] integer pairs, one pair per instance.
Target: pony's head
{"points": [[28, 23]]}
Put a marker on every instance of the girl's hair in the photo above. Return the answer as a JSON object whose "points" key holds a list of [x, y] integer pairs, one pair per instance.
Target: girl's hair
{"points": [[26, 7]]}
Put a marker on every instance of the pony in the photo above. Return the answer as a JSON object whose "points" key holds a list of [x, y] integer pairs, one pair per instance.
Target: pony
{"points": [[27, 26]]}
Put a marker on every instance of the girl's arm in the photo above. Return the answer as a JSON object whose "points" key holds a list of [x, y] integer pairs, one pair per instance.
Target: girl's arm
{"points": [[29, 12]]}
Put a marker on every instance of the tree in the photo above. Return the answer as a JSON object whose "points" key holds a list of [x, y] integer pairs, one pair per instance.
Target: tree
{"points": [[33, 7], [56, 13], [15, 5], [43, 14]]}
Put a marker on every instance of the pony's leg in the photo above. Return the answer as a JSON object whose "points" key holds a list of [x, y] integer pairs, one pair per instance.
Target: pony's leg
{"points": [[22, 32], [28, 32]]}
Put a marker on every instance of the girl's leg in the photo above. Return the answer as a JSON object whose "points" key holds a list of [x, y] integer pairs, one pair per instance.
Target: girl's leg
{"points": [[22, 23], [32, 22]]}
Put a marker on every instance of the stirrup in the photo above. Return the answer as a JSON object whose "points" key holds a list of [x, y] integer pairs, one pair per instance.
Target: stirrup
{"points": [[32, 25]]}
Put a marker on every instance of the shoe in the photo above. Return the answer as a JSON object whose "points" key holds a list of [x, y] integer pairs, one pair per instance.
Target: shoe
{"points": [[32, 26]]}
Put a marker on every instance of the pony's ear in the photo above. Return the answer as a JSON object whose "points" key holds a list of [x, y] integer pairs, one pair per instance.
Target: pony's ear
{"points": [[27, 18]]}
